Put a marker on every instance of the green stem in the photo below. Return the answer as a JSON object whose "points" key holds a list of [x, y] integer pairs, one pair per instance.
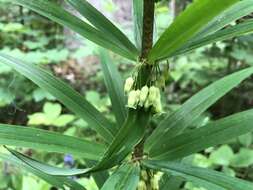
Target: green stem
{"points": [[146, 68]]}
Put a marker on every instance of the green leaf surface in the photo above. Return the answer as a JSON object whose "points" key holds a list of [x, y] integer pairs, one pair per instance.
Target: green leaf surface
{"points": [[115, 87], [179, 120], [126, 177], [210, 179], [63, 120], [174, 183], [138, 21], [57, 181], [214, 133], [240, 9], [21, 136], [52, 110], [246, 139], [65, 94], [225, 34], [61, 16], [187, 25], [129, 135], [98, 20], [45, 168], [244, 158], [99, 177], [222, 156]]}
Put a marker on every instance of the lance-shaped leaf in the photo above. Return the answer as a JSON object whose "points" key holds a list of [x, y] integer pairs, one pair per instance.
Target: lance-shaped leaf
{"points": [[56, 181], [179, 120], [187, 25], [215, 133], [126, 177], [173, 182], [99, 177], [235, 12], [61, 16], [207, 178], [138, 21], [228, 33], [114, 86], [45, 168], [129, 135], [20, 136], [65, 94], [98, 20]]}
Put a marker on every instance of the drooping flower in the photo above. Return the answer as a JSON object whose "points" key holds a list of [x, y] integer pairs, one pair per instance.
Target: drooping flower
{"points": [[133, 98], [128, 84], [143, 95]]}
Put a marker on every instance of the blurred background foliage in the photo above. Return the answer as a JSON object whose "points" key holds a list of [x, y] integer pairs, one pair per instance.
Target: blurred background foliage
{"points": [[35, 39]]}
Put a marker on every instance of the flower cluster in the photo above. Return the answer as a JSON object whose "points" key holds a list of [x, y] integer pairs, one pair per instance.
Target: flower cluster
{"points": [[154, 181], [147, 97]]}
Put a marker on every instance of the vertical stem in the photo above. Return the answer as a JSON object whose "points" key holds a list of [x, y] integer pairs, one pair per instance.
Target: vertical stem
{"points": [[146, 68], [148, 27], [147, 43]]}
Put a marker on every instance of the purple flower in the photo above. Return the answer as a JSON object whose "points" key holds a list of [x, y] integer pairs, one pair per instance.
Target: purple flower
{"points": [[68, 160]]}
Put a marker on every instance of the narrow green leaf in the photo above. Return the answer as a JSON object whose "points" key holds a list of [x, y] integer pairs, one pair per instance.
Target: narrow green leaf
{"points": [[179, 120], [210, 179], [225, 34], [235, 12], [115, 87], [128, 136], [20, 136], [65, 94], [99, 177], [98, 20], [126, 177], [187, 25], [214, 133], [61, 16], [57, 181], [173, 182], [138, 21], [45, 168]]}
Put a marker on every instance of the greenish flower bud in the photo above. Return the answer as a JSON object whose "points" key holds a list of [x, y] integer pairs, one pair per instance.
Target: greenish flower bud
{"points": [[144, 175], [142, 185], [158, 106], [147, 104], [133, 98], [154, 184], [154, 94], [128, 84], [137, 96], [143, 95]]}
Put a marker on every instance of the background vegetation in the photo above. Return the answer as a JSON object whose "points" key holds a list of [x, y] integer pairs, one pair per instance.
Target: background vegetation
{"points": [[35, 39]]}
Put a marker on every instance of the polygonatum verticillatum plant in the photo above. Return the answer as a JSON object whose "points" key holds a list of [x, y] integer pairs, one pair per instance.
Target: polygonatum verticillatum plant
{"points": [[138, 157]]}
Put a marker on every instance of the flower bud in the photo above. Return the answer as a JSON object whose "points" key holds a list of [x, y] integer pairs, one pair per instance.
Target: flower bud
{"points": [[133, 98], [144, 175], [143, 95], [128, 84], [154, 94], [141, 185], [137, 96], [154, 184], [147, 104], [158, 106]]}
